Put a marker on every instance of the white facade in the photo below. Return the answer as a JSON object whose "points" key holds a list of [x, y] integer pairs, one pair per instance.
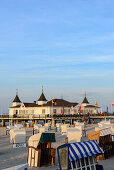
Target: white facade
{"points": [[44, 107], [43, 110]]}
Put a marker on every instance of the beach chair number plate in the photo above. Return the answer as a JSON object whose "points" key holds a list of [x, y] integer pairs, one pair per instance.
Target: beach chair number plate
{"points": [[19, 145]]}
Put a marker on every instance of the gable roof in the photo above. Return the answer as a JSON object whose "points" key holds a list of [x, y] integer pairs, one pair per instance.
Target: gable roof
{"points": [[42, 97], [16, 99], [85, 100]]}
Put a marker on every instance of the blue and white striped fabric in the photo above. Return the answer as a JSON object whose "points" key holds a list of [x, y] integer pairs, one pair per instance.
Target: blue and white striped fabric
{"points": [[83, 149]]}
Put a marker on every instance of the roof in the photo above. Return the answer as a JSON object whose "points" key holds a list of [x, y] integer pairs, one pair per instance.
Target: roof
{"points": [[16, 99], [60, 103], [26, 105], [42, 97], [91, 106], [57, 103], [85, 100]]}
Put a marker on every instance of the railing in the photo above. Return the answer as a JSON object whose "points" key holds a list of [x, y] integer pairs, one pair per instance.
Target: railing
{"points": [[58, 116]]}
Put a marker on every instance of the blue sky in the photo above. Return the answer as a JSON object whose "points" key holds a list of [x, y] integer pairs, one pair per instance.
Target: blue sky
{"points": [[65, 45]]}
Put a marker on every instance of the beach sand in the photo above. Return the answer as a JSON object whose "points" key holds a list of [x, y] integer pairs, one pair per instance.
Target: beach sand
{"points": [[10, 156]]}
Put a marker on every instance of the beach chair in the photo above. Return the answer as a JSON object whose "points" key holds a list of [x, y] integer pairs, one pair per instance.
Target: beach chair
{"points": [[39, 149], [8, 128], [18, 137], [36, 128], [78, 156], [74, 135], [58, 126], [64, 128], [19, 126], [103, 137]]}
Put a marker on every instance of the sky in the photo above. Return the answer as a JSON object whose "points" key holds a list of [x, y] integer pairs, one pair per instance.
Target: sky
{"points": [[66, 46]]}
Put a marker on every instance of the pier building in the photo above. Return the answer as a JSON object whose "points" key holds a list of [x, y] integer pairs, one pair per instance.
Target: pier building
{"points": [[42, 107], [54, 106]]}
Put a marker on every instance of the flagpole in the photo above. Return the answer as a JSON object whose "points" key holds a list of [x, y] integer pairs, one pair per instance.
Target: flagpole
{"points": [[52, 106]]}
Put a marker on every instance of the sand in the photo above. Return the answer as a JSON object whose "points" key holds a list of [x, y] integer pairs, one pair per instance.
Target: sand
{"points": [[10, 156]]}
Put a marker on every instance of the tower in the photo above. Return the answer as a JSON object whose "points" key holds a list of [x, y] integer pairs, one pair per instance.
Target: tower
{"points": [[42, 100], [85, 101], [16, 100]]}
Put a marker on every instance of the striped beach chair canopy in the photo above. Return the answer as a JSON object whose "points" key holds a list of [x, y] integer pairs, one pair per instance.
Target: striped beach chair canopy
{"points": [[105, 132], [83, 149]]}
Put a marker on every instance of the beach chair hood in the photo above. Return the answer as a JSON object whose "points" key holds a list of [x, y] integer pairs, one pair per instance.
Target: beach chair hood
{"points": [[83, 149]]}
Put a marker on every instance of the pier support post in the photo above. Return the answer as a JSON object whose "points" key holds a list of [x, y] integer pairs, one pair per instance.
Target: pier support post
{"points": [[9, 122], [72, 121], [32, 123], [3, 123], [17, 121], [63, 121], [14, 122], [23, 123], [53, 123], [36, 122]]}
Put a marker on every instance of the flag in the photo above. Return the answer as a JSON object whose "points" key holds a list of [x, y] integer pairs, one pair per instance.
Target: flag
{"points": [[63, 110], [112, 104], [79, 109], [54, 102], [96, 104], [107, 109]]}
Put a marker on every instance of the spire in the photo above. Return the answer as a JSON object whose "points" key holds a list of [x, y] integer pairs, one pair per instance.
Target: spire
{"points": [[16, 99], [85, 99], [42, 97], [17, 92], [42, 89]]}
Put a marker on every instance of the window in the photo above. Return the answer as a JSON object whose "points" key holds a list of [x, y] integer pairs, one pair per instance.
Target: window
{"points": [[74, 110], [43, 111], [65, 110], [54, 110], [68, 111]]}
